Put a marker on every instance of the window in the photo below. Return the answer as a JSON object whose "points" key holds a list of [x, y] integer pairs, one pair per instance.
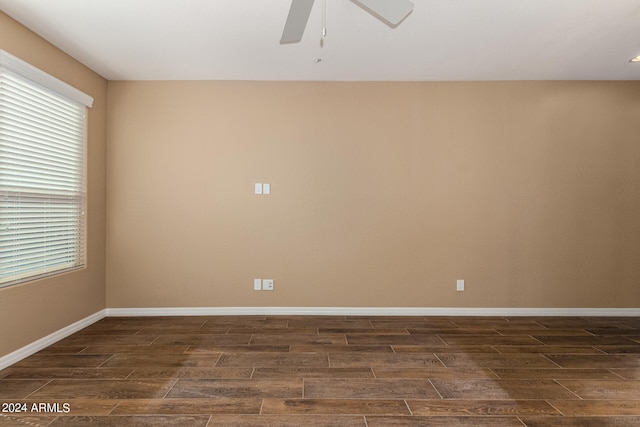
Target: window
{"points": [[42, 173]]}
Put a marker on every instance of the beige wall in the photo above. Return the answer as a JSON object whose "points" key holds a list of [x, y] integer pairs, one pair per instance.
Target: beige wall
{"points": [[35, 309], [383, 194]]}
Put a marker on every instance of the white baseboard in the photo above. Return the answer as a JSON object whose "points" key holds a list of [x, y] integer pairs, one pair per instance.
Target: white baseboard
{"points": [[52, 338], [370, 311]]}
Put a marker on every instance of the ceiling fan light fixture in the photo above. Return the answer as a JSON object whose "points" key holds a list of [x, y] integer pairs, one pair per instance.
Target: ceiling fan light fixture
{"points": [[635, 59], [391, 12]]}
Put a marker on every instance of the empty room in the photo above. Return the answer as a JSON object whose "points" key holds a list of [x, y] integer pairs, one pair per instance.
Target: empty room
{"points": [[328, 213]]}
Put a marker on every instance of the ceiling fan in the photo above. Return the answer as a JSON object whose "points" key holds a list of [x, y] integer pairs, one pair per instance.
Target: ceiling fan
{"points": [[391, 12]]}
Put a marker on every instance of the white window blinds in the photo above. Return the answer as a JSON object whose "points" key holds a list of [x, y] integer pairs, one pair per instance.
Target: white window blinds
{"points": [[42, 173]]}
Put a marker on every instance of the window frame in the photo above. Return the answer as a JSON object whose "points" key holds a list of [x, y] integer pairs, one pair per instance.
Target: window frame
{"points": [[74, 200]]}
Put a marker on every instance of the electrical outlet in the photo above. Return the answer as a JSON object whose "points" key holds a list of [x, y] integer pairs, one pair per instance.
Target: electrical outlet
{"points": [[267, 285], [460, 285], [257, 284]]}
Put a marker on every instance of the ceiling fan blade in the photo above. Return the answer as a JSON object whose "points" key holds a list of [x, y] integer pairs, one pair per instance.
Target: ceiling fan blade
{"points": [[296, 21], [392, 12]]}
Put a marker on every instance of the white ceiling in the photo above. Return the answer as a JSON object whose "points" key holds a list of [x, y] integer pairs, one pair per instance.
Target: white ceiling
{"points": [[440, 40]]}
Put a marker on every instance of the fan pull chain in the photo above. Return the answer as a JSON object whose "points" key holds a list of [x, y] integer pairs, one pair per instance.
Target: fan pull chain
{"points": [[324, 18]]}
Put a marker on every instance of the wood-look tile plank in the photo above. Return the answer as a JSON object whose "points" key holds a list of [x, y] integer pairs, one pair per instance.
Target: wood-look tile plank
{"points": [[218, 349], [185, 322], [19, 388], [88, 340], [335, 406], [104, 389], [184, 331], [439, 407], [494, 322], [547, 349], [488, 340], [589, 361], [328, 339], [110, 332], [577, 408], [583, 340], [167, 322], [532, 325], [162, 360], [501, 389], [140, 349], [30, 420], [286, 421], [614, 331], [262, 360], [61, 349], [171, 406], [383, 360], [245, 323], [555, 374], [391, 388], [379, 339], [453, 319], [132, 421], [192, 373], [107, 323], [628, 374], [495, 360], [239, 317], [328, 348], [581, 323], [320, 317], [619, 349], [435, 372], [418, 421], [399, 318], [543, 331], [202, 339], [631, 322], [452, 331], [604, 389], [352, 331], [410, 324], [296, 372], [331, 323], [63, 361], [273, 331], [444, 349], [606, 421], [69, 373], [242, 388]]}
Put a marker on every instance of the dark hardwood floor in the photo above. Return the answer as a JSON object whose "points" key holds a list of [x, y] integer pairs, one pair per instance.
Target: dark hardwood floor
{"points": [[333, 371]]}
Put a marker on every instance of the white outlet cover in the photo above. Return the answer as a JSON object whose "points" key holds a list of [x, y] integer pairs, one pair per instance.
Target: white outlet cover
{"points": [[267, 285]]}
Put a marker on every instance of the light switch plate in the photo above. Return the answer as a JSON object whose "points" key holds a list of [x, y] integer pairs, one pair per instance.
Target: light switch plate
{"points": [[267, 285], [266, 188], [257, 284], [460, 285], [258, 188]]}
